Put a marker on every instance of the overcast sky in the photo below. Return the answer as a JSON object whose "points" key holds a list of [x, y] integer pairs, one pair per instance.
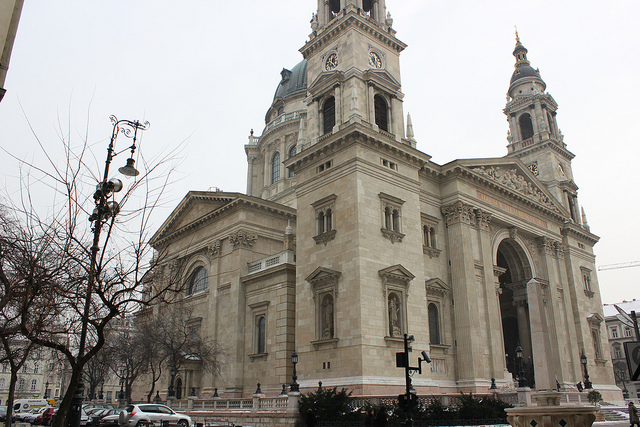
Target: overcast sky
{"points": [[204, 72]]}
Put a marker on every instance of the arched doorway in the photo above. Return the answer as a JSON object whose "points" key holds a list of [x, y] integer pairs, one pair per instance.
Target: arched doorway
{"points": [[179, 388], [514, 308]]}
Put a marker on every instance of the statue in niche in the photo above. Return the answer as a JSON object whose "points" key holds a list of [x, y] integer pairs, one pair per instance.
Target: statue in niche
{"points": [[394, 316], [327, 317]]}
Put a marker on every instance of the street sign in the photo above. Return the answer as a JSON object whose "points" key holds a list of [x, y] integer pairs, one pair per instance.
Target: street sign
{"points": [[632, 351]]}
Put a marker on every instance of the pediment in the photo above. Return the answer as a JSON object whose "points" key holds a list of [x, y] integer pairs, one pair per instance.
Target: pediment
{"points": [[595, 319], [325, 81], [436, 286], [383, 78], [398, 273], [322, 275], [512, 176], [191, 209]]}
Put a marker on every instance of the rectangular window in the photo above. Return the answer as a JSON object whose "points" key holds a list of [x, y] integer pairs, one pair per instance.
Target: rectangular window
{"points": [[325, 219], [614, 332], [391, 217], [259, 329]]}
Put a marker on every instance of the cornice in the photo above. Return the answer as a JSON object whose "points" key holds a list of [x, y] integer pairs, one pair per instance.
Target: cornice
{"points": [[519, 101], [352, 134], [540, 146], [235, 201], [572, 229], [340, 25]]}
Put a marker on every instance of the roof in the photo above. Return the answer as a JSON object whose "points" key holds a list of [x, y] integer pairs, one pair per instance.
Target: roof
{"points": [[524, 71], [293, 81], [627, 306]]}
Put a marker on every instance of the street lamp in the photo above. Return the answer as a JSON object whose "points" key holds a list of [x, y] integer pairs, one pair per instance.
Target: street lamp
{"points": [[104, 211], [521, 379], [295, 387], [583, 360], [46, 390], [173, 372]]}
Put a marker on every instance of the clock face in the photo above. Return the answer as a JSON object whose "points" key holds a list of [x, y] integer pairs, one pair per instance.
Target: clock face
{"points": [[331, 62], [533, 167], [374, 60]]}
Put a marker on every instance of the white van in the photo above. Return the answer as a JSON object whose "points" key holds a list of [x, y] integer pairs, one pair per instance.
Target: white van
{"points": [[22, 405]]}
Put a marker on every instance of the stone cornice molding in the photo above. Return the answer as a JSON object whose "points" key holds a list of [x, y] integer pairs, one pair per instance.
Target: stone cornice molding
{"points": [[233, 201], [519, 101], [342, 24], [355, 133], [323, 276], [575, 230], [542, 145], [396, 275], [437, 287]]}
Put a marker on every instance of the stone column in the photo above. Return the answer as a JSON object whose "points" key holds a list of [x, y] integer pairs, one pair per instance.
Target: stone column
{"points": [[542, 357], [338, 96], [371, 109], [250, 160], [397, 118], [494, 321], [459, 218]]}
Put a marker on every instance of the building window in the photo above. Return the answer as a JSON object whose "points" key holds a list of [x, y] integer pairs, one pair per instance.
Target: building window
{"points": [[324, 166], [2, 383], [198, 282], [329, 115], [391, 217], [275, 168], [325, 218], [35, 368], [434, 324], [614, 332], [25, 368], [34, 383], [292, 152], [259, 313], [627, 331], [429, 236], [586, 281], [324, 283], [381, 112], [526, 126], [261, 339], [5, 367], [617, 351], [21, 384]]}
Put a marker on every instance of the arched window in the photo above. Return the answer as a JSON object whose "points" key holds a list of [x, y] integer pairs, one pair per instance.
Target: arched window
{"points": [[261, 339], [198, 282], [292, 152], [329, 115], [526, 126], [335, 5], [275, 167], [388, 224], [551, 127], [320, 222], [367, 5], [382, 115], [434, 324], [396, 220]]}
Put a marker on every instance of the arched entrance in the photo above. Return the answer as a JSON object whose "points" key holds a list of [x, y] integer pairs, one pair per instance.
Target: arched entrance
{"points": [[514, 308], [179, 388]]}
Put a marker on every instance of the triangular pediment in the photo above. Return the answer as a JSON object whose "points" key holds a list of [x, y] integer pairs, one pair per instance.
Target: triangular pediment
{"points": [[511, 176], [383, 78], [323, 275], [436, 286], [397, 272]]}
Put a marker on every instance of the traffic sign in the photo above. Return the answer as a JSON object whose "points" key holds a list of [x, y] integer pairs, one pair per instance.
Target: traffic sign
{"points": [[632, 351]]}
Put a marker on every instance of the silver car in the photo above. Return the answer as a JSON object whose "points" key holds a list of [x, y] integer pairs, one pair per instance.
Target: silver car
{"points": [[151, 413]]}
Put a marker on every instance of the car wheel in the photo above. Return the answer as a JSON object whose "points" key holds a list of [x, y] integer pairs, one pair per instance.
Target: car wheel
{"points": [[183, 423]]}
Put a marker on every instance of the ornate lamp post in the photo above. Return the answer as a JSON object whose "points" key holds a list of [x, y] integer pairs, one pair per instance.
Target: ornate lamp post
{"points": [[173, 372], [519, 356], [583, 360], [295, 387]]}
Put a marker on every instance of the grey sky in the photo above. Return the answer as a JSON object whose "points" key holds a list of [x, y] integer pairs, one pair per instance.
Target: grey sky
{"points": [[205, 71]]}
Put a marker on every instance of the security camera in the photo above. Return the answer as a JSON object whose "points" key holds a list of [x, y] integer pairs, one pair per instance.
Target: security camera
{"points": [[426, 357]]}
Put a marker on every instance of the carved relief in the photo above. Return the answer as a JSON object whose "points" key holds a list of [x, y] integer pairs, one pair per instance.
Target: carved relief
{"points": [[516, 182], [242, 239], [214, 249], [483, 219], [458, 212]]}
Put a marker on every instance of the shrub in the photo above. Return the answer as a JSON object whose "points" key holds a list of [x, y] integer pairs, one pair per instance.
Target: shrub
{"points": [[328, 404], [594, 397]]}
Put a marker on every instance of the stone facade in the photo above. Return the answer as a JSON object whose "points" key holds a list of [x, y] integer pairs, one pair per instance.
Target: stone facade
{"points": [[620, 329], [9, 16], [472, 258]]}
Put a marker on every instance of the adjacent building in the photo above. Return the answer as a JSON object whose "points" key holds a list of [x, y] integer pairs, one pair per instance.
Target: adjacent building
{"points": [[620, 330], [350, 237]]}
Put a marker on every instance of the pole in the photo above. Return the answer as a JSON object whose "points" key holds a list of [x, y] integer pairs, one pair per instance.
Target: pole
{"points": [[635, 324], [407, 380]]}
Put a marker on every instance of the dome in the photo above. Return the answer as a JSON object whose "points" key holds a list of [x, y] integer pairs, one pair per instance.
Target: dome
{"points": [[524, 71], [293, 81]]}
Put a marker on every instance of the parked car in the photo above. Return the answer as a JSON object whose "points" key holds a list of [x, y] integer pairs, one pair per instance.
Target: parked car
{"points": [[136, 415], [111, 419], [84, 418], [27, 416], [91, 406], [45, 417]]}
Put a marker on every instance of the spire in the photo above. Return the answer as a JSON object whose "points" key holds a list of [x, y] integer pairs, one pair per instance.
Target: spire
{"points": [[410, 134], [585, 224], [520, 52]]}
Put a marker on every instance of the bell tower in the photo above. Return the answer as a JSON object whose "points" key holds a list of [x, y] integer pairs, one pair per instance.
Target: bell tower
{"points": [[353, 69], [534, 136]]}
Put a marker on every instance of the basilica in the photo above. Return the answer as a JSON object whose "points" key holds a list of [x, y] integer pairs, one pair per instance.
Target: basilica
{"points": [[349, 238]]}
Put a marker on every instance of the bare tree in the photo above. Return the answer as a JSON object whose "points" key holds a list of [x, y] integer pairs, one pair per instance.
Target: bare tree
{"points": [[88, 272]]}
